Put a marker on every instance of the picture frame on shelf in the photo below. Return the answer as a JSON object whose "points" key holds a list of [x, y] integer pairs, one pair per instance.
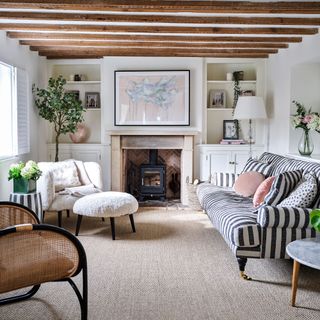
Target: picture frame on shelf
{"points": [[230, 130], [75, 92], [152, 98], [92, 100], [217, 98]]}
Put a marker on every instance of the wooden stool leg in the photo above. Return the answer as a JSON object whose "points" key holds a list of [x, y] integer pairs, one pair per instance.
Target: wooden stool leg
{"points": [[102, 219], [43, 214], [113, 231], [78, 224], [59, 218], [295, 276], [68, 213], [132, 222]]}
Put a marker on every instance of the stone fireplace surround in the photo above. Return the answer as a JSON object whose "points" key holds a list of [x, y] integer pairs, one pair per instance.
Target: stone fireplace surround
{"points": [[122, 140]]}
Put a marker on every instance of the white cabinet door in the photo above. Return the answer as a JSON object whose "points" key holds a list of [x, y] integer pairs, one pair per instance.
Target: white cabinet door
{"points": [[204, 166], [221, 161], [240, 159]]}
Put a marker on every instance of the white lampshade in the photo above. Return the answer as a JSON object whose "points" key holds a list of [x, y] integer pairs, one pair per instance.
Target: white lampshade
{"points": [[250, 107]]}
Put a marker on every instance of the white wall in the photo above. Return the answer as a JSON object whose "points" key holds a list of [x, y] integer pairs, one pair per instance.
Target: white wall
{"points": [[20, 56], [283, 68]]}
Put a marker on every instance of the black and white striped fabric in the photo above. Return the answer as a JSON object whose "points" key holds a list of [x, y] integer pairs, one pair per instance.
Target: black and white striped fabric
{"points": [[258, 166], [266, 234], [224, 179], [231, 214], [30, 200], [282, 185]]}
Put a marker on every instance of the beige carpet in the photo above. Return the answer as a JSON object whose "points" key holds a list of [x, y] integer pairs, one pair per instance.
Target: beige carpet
{"points": [[176, 267]]}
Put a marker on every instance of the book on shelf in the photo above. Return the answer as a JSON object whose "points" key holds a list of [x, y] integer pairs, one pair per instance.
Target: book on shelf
{"points": [[232, 141]]}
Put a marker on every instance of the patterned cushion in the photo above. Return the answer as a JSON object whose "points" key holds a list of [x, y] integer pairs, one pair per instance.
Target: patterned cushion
{"points": [[259, 166], [223, 179], [282, 186], [304, 193]]}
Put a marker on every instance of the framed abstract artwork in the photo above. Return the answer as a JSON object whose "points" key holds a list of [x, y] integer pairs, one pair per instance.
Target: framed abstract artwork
{"points": [[152, 98]]}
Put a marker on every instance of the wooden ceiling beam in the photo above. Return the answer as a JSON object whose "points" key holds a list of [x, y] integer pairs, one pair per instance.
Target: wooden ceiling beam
{"points": [[151, 51], [147, 44], [92, 55], [111, 18], [156, 29], [278, 7], [130, 37]]}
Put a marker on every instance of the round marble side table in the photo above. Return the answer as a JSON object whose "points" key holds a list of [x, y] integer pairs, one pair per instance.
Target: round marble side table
{"points": [[307, 252]]}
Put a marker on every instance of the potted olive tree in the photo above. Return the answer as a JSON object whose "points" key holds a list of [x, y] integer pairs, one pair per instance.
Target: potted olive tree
{"points": [[63, 109]]}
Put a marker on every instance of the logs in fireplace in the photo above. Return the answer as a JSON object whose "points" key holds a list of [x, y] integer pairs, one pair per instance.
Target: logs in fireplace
{"points": [[152, 178]]}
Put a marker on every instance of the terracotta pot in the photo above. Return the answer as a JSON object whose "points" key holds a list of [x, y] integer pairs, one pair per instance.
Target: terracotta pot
{"points": [[81, 135]]}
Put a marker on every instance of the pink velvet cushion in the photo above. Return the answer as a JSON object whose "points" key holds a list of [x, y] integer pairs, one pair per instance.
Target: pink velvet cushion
{"points": [[262, 191], [247, 183]]}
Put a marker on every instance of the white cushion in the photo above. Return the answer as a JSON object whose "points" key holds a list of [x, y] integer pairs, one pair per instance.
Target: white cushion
{"points": [[64, 173], [106, 204]]}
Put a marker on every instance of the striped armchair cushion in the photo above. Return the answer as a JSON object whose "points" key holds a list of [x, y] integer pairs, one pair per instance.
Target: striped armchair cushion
{"points": [[258, 166], [223, 179], [282, 217]]}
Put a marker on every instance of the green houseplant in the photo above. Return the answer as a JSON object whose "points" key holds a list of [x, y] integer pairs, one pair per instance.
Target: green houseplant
{"points": [[315, 219], [63, 109], [24, 176]]}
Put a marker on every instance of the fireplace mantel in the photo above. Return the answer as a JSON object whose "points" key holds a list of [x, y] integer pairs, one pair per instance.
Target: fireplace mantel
{"points": [[121, 140]]}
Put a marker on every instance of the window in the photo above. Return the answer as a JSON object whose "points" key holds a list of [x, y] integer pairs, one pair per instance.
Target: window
{"points": [[14, 120]]}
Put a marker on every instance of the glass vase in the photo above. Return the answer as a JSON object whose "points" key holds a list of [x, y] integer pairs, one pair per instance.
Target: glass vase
{"points": [[305, 146]]}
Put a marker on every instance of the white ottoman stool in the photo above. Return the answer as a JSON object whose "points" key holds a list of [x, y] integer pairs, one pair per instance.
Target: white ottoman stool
{"points": [[109, 204]]}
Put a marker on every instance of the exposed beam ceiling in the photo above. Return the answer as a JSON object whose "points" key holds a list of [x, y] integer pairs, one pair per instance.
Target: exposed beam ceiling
{"points": [[93, 29]]}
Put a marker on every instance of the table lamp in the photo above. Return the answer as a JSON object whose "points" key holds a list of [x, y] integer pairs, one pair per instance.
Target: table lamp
{"points": [[249, 108]]}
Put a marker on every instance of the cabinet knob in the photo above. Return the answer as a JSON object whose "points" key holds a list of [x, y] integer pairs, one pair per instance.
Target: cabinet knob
{"points": [[232, 162]]}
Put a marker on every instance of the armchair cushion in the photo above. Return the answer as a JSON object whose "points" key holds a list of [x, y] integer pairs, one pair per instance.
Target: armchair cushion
{"points": [[283, 217]]}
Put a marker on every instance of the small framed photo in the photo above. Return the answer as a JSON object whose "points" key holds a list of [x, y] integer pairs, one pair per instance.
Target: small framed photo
{"points": [[76, 93], [92, 100], [217, 99], [230, 130]]}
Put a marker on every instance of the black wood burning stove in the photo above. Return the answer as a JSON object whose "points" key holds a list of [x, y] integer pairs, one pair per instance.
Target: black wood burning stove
{"points": [[152, 178]]}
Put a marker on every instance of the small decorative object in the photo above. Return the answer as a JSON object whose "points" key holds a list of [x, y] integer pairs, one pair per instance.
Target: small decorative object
{"points": [[217, 99], [247, 93], [92, 100], [230, 130], [77, 77], [83, 77], [71, 77], [24, 176], [81, 134], [229, 76], [315, 219], [151, 97], [306, 120]]}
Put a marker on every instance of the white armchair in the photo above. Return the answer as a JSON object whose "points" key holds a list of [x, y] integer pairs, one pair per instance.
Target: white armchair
{"points": [[63, 183]]}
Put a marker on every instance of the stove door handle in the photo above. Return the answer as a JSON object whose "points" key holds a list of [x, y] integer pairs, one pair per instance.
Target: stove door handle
{"points": [[142, 182]]}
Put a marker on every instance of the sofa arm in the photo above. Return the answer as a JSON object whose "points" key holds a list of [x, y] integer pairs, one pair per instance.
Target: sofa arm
{"points": [[94, 172], [45, 186], [283, 217], [223, 179]]}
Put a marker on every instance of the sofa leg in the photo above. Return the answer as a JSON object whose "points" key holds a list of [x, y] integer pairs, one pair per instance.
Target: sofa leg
{"points": [[242, 265]]}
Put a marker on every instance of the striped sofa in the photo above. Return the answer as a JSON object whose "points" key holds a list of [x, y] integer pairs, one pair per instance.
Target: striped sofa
{"points": [[266, 233]]}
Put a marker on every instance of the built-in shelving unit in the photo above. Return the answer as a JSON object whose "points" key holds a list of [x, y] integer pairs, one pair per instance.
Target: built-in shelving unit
{"points": [[90, 71], [216, 83]]}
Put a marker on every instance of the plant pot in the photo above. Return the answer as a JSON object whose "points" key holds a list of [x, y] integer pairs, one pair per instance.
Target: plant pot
{"points": [[23, 185]]}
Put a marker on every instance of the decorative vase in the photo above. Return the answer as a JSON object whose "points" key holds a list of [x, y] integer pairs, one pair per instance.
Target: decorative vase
{"points": [[305, 145], [23, 185]]}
